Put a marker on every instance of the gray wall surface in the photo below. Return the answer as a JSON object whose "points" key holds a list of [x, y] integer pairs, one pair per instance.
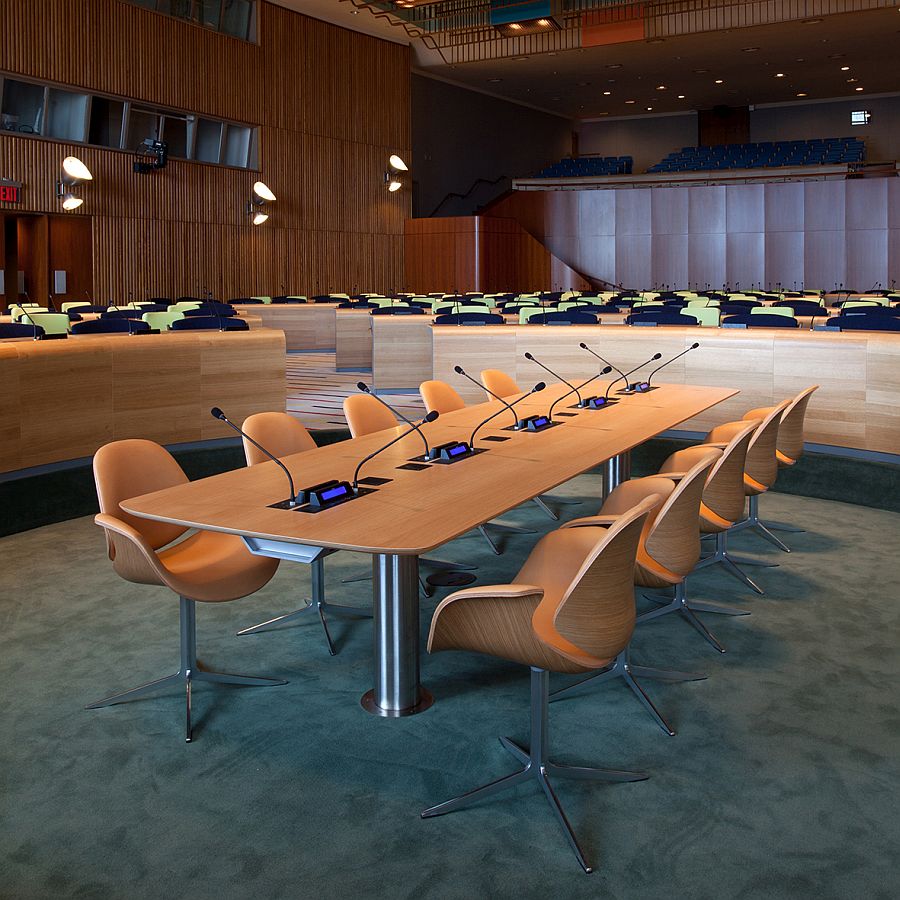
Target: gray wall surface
{"points": [[645, 138], [459, 136]]}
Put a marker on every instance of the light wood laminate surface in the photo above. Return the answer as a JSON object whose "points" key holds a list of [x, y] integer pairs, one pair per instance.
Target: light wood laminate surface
{"points": [[401, 351], [859, 372], [306, 326], [353, 339], [420, 510], [63, 400]]}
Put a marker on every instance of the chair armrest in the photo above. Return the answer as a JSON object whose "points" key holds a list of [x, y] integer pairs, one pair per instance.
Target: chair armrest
{"points": [[588, 521], [133, 558]]}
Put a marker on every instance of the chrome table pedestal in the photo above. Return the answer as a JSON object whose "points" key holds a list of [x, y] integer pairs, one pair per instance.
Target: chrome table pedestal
{"points": [[397, 691]]}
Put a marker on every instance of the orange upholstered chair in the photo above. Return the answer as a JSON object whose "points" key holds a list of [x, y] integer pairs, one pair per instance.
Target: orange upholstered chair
{"points": [[206, 566], [570, 609]]}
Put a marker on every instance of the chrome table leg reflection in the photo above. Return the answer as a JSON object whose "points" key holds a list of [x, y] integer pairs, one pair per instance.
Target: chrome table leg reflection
{"points": [[397, 691], [616, 470]]}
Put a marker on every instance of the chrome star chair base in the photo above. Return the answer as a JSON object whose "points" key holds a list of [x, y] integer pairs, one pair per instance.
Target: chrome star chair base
{"points": [[722, 556], [753, 521], [623, 668], [189, 671], [538, 767], [687, 609]]}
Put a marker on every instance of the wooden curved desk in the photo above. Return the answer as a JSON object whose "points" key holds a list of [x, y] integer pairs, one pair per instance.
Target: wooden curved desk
{"points": [[416, 511], [63, 400]]}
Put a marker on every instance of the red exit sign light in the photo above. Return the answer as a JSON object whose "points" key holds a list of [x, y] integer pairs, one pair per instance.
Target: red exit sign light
{"points": [[10, 193]]}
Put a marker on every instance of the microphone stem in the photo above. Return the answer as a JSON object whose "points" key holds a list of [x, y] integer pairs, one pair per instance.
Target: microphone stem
{"points": [[380, 450], [563, 397], [495, 396], [274, 459], [397, 412], [494, 416]]}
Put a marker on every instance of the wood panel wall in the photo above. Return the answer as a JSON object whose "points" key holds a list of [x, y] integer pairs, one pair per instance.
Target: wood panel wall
{"points": [[331, 104], [817, 233], [481, 253]]}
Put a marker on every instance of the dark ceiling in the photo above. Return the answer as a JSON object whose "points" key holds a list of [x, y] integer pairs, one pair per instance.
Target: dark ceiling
{"points": [[573, 83]]}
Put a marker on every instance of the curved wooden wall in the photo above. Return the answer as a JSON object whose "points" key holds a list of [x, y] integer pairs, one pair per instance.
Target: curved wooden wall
{"points": [[332, 105]]}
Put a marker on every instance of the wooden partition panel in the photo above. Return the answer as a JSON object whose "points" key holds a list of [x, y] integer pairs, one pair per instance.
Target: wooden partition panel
{"points": [[331, 105], [481, 253], [819, 234], [65, 399], [858, 372]]}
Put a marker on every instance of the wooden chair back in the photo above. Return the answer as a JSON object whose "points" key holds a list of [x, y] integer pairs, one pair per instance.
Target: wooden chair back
{"points": [[439, 396], [365, 415], [280, 433]]}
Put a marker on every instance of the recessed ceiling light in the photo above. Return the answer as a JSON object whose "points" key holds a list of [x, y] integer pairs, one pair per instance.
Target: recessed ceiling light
{"points": [[543, 23], [779, 74], [614, 66], [845, 68], [681, 96], [649, 108], [859, 88], [800, 59], [851, 80], [629, 101], [801, 94], [749, 49], [515, 26], [720, 81], [494, 80], [660, 87], [700, 71], [607, 93]]}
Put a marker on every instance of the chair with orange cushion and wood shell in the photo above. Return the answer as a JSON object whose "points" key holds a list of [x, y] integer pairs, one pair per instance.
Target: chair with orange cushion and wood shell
{"points": [[206, 566], [569, 609], [760, 472], [668, 550], [283, 435], [788, 450], [722, 503]]}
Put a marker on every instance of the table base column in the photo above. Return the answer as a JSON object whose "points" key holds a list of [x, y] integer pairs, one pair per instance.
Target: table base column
{"points": [[616, 470], [397, 692]]}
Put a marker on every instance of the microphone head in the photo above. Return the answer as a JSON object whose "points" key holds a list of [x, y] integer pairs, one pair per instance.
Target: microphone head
{"points": [[606, 371], [657, 355], [458, 370], [583, 345], [431, 416], [528, 355], [695, 345], [217, 413], [362, 386], [538, 387]]}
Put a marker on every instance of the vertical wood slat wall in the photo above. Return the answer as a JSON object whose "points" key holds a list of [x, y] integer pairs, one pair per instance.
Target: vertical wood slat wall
{"points": [[331, 105]]}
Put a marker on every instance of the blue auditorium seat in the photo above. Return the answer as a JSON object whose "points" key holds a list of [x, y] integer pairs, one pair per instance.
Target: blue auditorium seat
{"points": [[111, 326]]}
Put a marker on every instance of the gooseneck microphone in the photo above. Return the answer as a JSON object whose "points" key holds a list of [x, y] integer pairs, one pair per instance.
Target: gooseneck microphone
{"points": [[429, 417], [528, 356], [367, 390], [604, 371], [625, 376], [605, 362], [646, 385], [217, 413], [538, 387], [459, 371]]}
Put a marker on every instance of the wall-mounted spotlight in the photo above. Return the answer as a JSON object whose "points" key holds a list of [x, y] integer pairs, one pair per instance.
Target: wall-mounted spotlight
{"points": [[74, 171], [392, 178], [261, 195]]}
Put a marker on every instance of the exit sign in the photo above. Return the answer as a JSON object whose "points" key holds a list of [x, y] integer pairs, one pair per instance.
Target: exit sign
{"points": [[10, 193]]}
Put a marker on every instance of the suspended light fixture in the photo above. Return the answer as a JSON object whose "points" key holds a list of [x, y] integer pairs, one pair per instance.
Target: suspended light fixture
{"points": [[73, 172], [392, 177], [262, 194]]}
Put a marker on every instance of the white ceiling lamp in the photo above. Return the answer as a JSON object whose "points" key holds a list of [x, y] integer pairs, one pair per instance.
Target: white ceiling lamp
{"points": [[261, 195], [73, 171], [392, 178]]}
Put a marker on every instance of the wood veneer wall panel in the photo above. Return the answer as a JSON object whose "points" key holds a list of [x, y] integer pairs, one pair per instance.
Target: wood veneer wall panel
{"points": [[331, 105]]}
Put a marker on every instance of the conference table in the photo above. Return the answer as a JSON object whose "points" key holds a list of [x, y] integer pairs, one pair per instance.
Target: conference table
{"points": [[410, 511]]}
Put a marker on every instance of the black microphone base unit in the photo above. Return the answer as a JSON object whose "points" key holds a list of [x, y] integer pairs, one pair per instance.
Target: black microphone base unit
{"points": [[533, 423], [444, 454], [639, 387], [323, 496], [595, 403]]}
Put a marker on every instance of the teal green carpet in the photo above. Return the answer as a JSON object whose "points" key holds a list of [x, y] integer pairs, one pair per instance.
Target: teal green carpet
{"points": [[782, 781]]}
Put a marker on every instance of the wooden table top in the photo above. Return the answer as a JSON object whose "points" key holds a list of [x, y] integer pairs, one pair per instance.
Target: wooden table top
{"points": [[420, 510]]}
